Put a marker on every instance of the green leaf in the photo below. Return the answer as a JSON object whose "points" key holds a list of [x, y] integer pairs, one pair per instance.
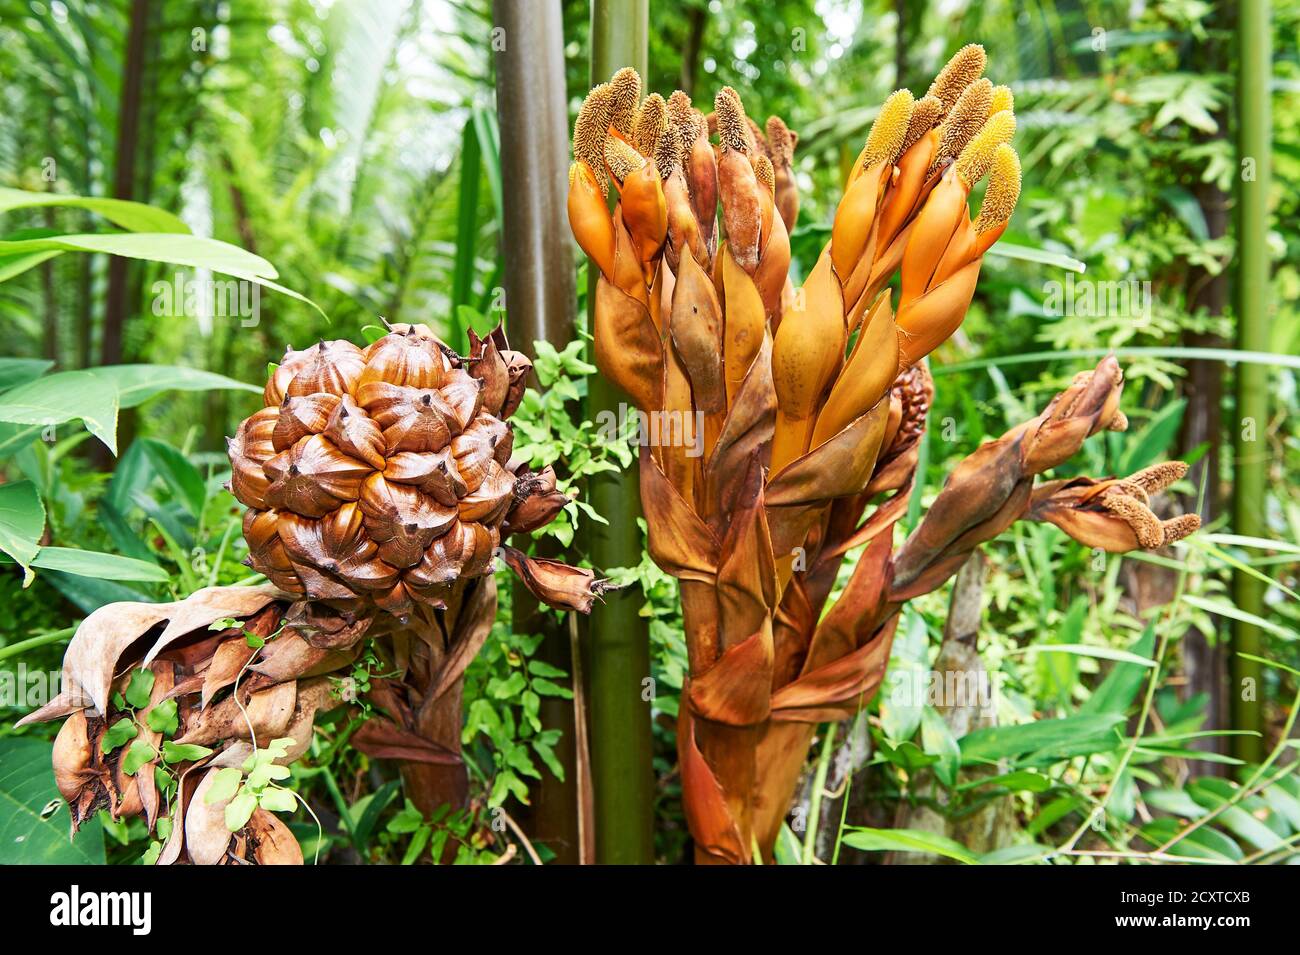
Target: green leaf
{"points": [[511, 686], [22, 521], [85, 563], [1175, 801], [276, 799], [908, 840], [1044, 736], [183, 752], [163, 718], [1120, 688], [1155, 437], [937, 740], [1022, 780], [1025, 253], [138, 755], [546, 688], [136, 384], [366, 812], [1225, 609], [1016, 855], [165, 782], [418, 842], [34, 818], [408, 819], [1087, 650], [141, 685], [18, 371], [134, 216], [225, 783], [54, 399], [538, 668], [117, 735], [185, 250], [239, 810]]}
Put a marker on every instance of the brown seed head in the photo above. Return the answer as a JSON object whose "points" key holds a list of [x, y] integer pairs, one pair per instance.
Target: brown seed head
{"points": [[1002, 194], [733, 124], [679, 108], [625, 94], [1157, 477], [964, 121], [965, 67], [764, 173], [591, 129], [780, 141], [667, 152], [1176, 528], [1145, 525], [885, 141], [651, 121]]}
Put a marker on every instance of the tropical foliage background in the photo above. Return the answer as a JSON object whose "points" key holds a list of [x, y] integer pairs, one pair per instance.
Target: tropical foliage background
{"points": [[355, 145]]}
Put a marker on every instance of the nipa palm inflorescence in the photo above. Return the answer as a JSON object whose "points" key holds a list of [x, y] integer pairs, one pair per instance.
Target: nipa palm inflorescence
{"points": [[811, 402]]}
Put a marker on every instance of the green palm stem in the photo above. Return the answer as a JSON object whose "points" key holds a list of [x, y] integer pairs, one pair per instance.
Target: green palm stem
{"points": [[1254, 69], [617, 643]]}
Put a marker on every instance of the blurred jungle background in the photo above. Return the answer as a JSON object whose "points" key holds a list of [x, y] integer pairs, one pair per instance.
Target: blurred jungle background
{"points": [[356, 145]]}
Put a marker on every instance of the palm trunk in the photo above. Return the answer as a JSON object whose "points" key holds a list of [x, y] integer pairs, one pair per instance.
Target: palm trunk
{"points": [[538, 276], [617, 638], [1254, 117]]}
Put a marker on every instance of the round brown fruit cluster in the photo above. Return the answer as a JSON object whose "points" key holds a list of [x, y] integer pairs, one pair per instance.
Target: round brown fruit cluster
{"points": [[384, 472]]}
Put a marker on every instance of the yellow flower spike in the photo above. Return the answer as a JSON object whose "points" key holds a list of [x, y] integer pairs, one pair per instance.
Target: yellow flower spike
{"points": [[806, 354], [975, 160], [978, 155], [1000, 198], [651, 122], [967, 117], [887, 135], [590, 131], [624, 95], [965, 67], [857, 210], [1002, 99], [589, 217], [742, 212], [866, 377]]}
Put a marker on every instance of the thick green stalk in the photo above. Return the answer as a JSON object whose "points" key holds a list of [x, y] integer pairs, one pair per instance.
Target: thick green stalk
{"points": [[1254, 124], [532, 115], [617, 645]]}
